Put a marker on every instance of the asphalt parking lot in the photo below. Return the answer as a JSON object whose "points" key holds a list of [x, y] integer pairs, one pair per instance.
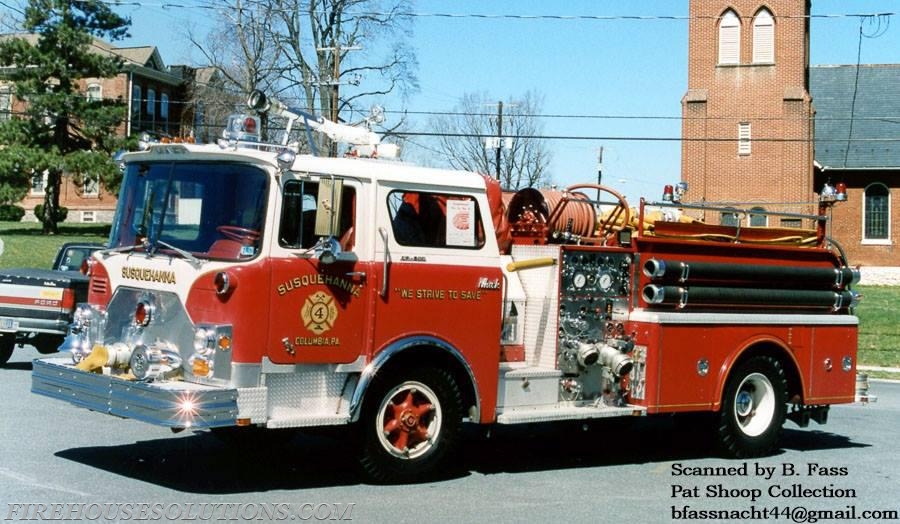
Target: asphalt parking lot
{"points": [[54, 453]]}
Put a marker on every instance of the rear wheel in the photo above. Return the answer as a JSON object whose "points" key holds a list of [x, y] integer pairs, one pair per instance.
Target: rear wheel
{"points": [[411, 423], [753, 408], [7, 345], [46, 344]]}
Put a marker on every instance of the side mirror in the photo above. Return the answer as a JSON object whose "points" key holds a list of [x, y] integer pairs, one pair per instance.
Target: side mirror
{"points": [[328, 251]]}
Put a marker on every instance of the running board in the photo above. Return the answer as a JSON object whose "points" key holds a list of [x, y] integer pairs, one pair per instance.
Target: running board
{"points": [[566, 412], [307, 421]]}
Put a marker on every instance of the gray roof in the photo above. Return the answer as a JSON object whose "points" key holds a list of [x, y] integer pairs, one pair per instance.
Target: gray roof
{"points": [[875, 125]]}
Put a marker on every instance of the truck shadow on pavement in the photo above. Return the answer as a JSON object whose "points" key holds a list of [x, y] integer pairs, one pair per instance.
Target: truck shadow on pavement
{"points": [[18, 366], [290, 461]]}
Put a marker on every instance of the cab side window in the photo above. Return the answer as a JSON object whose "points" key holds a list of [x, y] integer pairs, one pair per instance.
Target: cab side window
{"points": [[298, 216], [435, 220]]}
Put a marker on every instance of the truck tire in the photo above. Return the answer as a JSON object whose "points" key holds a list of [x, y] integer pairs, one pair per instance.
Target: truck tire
{"points": [[753, 408], [46, 344], [7, 345], [411, 423]]}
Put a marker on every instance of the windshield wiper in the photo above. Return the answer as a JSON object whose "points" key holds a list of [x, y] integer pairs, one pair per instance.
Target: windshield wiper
{"points": [[124, 249], [192, 260]]}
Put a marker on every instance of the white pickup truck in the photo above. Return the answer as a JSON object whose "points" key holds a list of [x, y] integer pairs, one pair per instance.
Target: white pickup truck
{"points": [[36, 305]]}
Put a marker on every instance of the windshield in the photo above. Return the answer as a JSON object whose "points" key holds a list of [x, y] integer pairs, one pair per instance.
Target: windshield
{"points": [[212, 210]]}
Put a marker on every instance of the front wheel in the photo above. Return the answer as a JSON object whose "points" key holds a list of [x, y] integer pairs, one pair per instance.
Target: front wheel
{"points": [[753, 408], [411, 423], [7, 344]]}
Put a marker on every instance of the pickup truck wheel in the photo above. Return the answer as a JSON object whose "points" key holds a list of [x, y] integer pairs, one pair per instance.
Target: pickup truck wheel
{"points": [[7, 344], [753, 408], [47, 344], [411, 423]]}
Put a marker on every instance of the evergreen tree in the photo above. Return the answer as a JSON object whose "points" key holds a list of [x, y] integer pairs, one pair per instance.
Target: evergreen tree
{"points": [[61, 132]]}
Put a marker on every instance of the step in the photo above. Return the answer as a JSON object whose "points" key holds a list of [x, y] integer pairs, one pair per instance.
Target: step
{"points": [[566, 411]]}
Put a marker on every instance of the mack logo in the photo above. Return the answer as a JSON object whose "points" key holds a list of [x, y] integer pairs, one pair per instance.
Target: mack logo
{"points": [[485, 283], [148, 274]]}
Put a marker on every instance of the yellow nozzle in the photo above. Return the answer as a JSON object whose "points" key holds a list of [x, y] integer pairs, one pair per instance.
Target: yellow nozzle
{"points": [[95, 361]]}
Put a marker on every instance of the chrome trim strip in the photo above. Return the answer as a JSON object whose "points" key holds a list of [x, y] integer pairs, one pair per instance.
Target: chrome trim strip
{"points": [[664, 317], [393, 349]]}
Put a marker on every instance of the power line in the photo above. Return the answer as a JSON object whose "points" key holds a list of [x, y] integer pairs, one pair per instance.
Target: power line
{"points": [[493, 16]]}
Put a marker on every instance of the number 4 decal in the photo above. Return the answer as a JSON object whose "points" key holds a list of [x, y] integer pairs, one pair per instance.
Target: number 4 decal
{"points": [[319, 312]]}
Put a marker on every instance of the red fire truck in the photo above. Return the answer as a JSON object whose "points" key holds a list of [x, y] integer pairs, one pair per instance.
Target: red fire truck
{"points": [[249, 286]]}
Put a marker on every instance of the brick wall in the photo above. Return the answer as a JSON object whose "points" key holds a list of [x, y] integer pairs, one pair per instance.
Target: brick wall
{"points": [[772, 98], [847, 221]]}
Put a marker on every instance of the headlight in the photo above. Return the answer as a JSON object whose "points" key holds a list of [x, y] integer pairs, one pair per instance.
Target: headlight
{"points": [[204, 341], [208, 340]]}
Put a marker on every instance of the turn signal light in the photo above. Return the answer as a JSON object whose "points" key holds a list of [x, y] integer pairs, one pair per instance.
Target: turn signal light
{"points": [[224, 283], [200, 367]]}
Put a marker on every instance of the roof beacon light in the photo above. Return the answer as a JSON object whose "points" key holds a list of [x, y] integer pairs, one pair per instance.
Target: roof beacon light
{"points": [[242, 128], [840, 192], [667, 193]]}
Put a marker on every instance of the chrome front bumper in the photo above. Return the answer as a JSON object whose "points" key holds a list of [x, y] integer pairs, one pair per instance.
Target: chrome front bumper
{"points": [[170, 404]]}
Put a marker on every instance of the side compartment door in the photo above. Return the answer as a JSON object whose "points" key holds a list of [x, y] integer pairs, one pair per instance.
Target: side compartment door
{"points": [[318, 309]]}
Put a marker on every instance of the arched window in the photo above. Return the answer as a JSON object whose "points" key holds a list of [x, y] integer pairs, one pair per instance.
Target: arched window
{"points": [[136, 106], [763, 38], [730, 218], [94, 92], [757, 218], [164, 111], [5, 103], [729, 38], [877, 213], [151, 106]]}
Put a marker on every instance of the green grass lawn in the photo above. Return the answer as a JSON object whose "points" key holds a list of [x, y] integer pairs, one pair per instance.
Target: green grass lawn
{"points": [[25, 246], [879, 325], [879, 311]]}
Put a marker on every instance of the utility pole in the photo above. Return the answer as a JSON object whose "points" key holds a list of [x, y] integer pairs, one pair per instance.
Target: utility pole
{"points": [[600, 166], [334, 112], [599, 171], [499, 134]]}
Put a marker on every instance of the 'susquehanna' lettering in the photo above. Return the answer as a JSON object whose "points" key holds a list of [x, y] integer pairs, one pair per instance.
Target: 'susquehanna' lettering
{"points": [[147, 274], [320, 280]]}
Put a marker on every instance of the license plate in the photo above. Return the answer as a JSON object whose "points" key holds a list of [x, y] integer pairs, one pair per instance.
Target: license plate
{"points": [[8, 324]]}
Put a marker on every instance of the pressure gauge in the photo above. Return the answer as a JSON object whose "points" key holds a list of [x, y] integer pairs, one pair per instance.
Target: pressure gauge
{"points": [[579, 280], [605, 281]]}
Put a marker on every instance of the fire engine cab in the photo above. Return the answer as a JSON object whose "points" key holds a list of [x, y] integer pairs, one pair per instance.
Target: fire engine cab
{"points": [[246, 286]]}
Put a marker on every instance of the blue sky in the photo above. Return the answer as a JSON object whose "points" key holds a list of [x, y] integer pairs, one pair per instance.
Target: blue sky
{"points": [[620, 67]]}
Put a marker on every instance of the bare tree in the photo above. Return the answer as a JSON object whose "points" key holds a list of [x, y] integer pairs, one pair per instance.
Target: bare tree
{"points": [[240, 50], [327, 56], [472, 126]]}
